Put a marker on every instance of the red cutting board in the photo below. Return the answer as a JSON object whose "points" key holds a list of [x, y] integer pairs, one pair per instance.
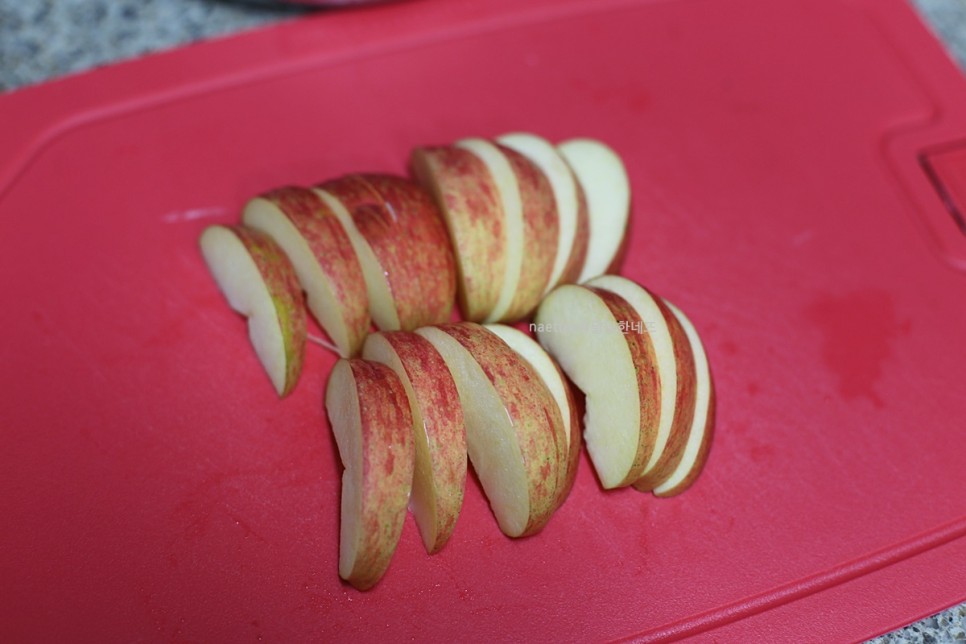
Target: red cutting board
{"points": [[785, 159]]}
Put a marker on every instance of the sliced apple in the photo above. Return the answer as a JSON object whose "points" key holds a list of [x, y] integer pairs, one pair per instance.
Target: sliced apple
{"points": [[402, 244], [259, 282], [470, 203], [531, 225], [508, 193], [512, 424], [702, 426], [370, 417], [675, 366], [571, 203], [438, 428], [323, 258], [540, 233], [409, 238], [582, 329], [344, 197], [601, 173], [568, 452]]}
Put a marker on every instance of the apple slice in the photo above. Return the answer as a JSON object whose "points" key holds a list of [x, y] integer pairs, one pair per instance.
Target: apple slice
{"points": [[343, 197], [601, 173], [409, 238], [573, 229], [568, 453], [512, 424], [540, 233], [675, 367], [467, 197], [404, 247], [702, 426], [585, 330], [369, 414], [323, 258], [259, 282], [508, 191], [440, 435]]}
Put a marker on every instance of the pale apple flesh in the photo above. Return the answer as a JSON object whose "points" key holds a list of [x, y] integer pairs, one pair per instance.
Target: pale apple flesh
{"points": [[440, 434], [512, 422], [603, 177], [570, 201], [326, 265], [370, 417], [698, 445], [467, 197], [568, 448], [675, 367], [615, 369], [259, 282], [540, 235]]}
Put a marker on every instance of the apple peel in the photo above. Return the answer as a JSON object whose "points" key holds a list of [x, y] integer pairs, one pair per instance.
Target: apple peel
{"points": [[370, 417], [440, 434], [259, 282]]}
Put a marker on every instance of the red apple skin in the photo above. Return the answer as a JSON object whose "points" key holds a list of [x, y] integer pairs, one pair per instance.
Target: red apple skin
{"points": [[439, 403], [648, 380], [353, 191], [540, 234], [286, 293], [388, 458], [703, 451], [576, 434], [410, 239], [532, 410], [470, 202], [684, 403], [401, 223], [331, 247], [578, 254]]}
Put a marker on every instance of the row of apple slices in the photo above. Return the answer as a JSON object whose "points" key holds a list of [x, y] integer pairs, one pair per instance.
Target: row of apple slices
{"points": [[525, 216], [645, 377], [364, 248], [408, 414], [374, 248]]}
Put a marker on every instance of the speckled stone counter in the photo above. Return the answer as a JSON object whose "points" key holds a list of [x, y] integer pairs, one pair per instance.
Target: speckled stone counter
{"points": [[44, 39]]}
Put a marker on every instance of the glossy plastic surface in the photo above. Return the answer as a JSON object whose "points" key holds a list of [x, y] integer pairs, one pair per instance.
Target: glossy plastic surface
{"points": [[153, 487]]}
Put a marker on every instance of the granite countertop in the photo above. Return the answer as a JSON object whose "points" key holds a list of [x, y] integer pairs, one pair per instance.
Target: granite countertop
{"points": [[44, 39]]}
